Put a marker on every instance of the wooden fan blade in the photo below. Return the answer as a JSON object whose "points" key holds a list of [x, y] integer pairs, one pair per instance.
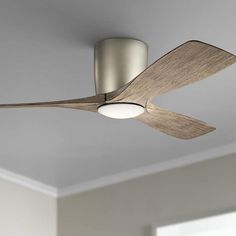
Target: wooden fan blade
{"points": [[174, 124], [87, 104], [188, 63]]}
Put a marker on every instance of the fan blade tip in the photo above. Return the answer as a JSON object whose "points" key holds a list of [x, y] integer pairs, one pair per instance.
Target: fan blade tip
{"points": [[194, 41], [209, 130]]}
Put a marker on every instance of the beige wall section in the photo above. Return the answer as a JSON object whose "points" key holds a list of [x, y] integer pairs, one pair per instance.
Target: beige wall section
{"points": [[129, 208], [24, 212]]}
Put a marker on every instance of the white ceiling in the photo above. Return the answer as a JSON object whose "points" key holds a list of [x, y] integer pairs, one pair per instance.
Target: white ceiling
{"points": [[46, 53]]}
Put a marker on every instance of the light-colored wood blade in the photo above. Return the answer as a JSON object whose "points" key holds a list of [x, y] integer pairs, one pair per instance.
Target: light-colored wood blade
{"points": [[87, 104], [174, 124], [188, 63]]}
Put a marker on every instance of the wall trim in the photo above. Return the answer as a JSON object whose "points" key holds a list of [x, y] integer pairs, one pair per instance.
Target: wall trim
{"points": [[28, 182], [151, 169], [116, 178]]}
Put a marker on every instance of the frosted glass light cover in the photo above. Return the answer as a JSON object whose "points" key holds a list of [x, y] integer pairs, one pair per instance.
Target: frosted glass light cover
{"points": [[121, 110], [221, 225]]}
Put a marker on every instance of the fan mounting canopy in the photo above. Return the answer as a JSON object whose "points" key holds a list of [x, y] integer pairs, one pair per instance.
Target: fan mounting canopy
{"points": [[117, 61]]}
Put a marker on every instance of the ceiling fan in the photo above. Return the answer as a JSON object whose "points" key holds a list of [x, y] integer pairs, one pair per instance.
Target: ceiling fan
{"points": [[125, 86]]}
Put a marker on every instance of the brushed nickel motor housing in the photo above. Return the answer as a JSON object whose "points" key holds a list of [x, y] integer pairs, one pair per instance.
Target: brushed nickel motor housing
{"points": [[117, 62]]}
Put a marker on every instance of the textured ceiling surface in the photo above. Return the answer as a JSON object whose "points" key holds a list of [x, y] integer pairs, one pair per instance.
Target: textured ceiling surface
{"points": [[46, 53]]}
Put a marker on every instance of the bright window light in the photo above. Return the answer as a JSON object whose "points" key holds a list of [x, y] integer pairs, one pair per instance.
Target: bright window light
{"points": [[221, 225]]}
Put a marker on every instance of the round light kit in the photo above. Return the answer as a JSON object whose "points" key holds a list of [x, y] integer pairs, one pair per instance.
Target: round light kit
{"points": [[121, 110]]}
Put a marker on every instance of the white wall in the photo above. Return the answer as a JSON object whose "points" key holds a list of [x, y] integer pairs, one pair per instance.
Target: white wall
{"points": [[24, 212], [129, 208]]}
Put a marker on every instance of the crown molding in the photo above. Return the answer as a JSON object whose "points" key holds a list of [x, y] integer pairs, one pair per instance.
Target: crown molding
{"points": [[151, 169], [28, 183], [116, 178]]}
